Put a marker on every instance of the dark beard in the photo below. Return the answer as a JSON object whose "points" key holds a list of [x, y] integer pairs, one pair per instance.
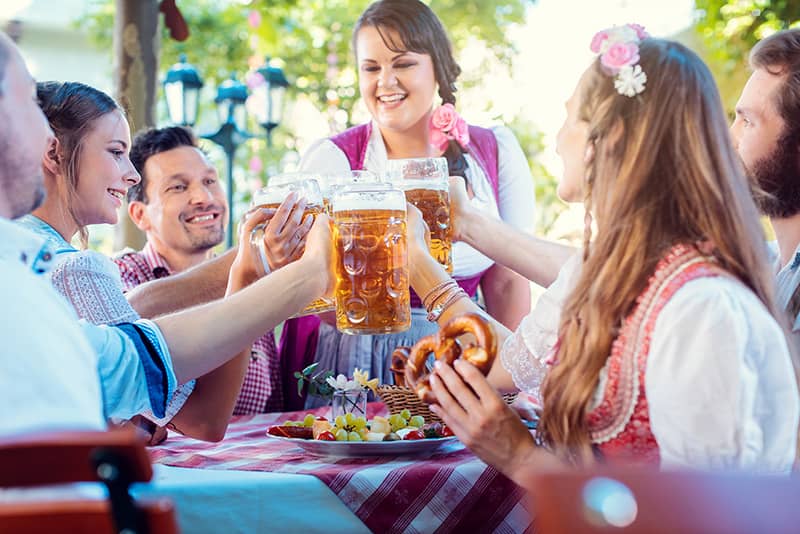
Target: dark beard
{"points": [[778, 177]]}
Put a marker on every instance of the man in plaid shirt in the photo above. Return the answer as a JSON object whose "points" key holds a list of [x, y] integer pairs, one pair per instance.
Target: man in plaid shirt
{"points": [[181, 207]]}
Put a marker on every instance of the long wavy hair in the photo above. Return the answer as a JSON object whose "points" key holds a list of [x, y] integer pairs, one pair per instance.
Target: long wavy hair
{"points": [[664, 172]]}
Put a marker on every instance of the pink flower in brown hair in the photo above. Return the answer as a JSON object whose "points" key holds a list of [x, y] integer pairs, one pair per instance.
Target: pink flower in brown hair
{"points": [[446, 125]]}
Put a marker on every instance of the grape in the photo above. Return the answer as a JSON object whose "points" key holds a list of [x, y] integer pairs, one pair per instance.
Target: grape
{"points": [[397, 423], [354, 436], [350, 418], [417, 421], [340, 421], [360, 423], [309, 420], [405, 414], [341, 435]]}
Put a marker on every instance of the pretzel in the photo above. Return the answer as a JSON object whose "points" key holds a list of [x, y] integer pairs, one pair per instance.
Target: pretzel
{"points": [[398, 368], [445, 346]]}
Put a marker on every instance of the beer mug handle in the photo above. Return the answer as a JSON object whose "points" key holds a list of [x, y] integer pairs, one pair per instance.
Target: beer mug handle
{"points": [[257, 243]]}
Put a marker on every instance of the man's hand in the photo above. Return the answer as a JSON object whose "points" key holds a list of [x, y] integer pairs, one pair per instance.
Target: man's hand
{"points": [[285, 234]]}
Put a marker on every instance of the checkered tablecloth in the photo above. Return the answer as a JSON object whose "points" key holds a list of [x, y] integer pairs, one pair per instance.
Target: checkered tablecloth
{"points": [[448, 491]]}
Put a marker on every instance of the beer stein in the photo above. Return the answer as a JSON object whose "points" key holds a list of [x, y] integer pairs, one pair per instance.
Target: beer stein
{"points": [[425, 183], [271, 197], [370, 260]]}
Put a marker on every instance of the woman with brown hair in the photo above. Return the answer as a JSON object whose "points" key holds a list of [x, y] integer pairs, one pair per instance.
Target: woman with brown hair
{"points": [[87, 172], [407, 75], [667, 350]]}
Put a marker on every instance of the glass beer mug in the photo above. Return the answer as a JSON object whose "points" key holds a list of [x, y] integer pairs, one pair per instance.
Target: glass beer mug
{"points": [[271, 197], [330, 183], [425, 183], [370, 260]]}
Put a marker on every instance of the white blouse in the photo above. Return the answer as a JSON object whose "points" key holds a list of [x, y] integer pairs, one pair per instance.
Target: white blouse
{"points": [[515, 186], [723, 398]]}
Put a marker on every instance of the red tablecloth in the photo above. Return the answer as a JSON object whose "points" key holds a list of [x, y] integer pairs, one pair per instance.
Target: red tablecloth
{"points": [[448, 491]]}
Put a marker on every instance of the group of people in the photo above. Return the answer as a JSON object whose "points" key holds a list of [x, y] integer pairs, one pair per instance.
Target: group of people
{"points": [[666, 339]]}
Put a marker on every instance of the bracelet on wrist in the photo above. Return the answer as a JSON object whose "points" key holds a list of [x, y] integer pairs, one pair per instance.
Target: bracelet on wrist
{"points": [[437, 292], [446, 301]]}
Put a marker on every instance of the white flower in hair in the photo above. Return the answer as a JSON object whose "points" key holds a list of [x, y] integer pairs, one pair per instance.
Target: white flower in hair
{"points": [[630, 80]]}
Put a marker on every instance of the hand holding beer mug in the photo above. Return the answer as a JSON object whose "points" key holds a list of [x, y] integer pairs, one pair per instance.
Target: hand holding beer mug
{"points": [[287, 222], [425, 182], [370, 260]]}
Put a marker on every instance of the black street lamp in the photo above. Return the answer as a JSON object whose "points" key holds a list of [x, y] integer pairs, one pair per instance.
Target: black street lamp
{"points": [[271, 94], [181, 87]]}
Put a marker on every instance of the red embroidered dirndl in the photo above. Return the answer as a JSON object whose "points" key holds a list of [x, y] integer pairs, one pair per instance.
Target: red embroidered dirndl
{"points": [[620, 424]]}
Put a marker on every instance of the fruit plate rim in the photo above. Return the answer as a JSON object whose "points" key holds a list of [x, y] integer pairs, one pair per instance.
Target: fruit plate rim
{"points": [[357, 449]]}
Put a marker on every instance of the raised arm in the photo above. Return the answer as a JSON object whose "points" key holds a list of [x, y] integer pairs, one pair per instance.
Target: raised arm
{"points": [[202, 338], [207, 411], [426, 273], [538, 260], [198, 285]]}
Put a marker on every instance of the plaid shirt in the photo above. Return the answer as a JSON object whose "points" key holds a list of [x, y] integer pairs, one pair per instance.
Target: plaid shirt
{"points": [[261, 390]]}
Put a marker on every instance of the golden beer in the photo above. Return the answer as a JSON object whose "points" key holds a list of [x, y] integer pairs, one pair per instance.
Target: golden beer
{"points": [[271, 197], [371, 262], [425, 183], [435, 207]]}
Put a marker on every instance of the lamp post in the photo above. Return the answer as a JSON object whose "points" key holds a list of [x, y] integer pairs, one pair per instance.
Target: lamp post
{"points": [[273, 92], [182, 86]]}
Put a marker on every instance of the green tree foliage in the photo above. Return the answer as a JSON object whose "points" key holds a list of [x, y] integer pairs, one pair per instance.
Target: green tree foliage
{"points": [[729, 29], [312, 38]]}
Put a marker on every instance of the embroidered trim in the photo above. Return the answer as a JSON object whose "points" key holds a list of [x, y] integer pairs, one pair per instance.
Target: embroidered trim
{"points": [[627, 359]]}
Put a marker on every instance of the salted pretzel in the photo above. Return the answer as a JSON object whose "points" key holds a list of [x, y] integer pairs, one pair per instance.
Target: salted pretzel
{"points": [[445, 346]]}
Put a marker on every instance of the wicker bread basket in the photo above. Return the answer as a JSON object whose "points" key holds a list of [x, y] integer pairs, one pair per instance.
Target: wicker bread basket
{"points": [[398, 398]]}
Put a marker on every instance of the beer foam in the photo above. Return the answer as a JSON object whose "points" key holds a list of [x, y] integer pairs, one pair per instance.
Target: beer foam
{"points": [[379, 200], [274, 196], [411, 184]]}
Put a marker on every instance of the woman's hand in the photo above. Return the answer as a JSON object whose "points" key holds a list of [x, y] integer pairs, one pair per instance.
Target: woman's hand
{"points": [[285, 234], [462, 213], [476, 413]]}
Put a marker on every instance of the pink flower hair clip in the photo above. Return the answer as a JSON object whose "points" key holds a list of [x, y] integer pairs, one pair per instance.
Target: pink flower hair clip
{"points": [[446, 125], [618, 48]]}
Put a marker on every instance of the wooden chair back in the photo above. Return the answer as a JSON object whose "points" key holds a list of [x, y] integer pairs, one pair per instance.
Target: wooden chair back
{"points": [[116, 458]]}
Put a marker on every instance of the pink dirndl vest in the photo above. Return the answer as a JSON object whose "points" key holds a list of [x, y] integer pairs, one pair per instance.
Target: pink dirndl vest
{"points": [[299, 338], [620, 424]]}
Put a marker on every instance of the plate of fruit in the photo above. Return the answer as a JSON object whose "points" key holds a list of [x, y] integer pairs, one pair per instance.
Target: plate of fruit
{"points": [[351, 436]]}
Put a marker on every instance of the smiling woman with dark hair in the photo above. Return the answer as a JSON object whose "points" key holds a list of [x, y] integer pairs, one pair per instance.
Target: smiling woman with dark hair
{"points": [[407, 73]]}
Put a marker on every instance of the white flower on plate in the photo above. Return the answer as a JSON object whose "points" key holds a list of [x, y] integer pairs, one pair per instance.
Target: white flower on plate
{"points": [[341, 383], [630, 80]]}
